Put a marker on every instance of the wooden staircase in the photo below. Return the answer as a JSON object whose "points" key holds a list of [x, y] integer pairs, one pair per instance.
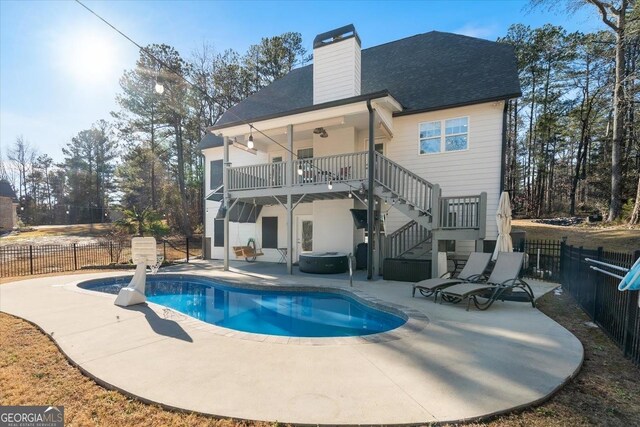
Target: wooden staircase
{"points": [[432, 216]]}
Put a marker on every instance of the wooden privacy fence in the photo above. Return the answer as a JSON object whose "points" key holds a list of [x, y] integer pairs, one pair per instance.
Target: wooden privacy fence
{"points": [[615, 312], [24, 260]]}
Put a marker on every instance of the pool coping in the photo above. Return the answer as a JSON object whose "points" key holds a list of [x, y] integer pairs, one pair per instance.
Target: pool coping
{"points": [[110, 377], [415, 321]]}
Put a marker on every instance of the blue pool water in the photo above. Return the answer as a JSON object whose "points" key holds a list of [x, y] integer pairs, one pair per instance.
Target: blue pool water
{"points": [[285, 313]]}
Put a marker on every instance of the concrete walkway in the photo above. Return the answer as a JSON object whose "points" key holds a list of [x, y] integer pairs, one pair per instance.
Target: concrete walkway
{"points": [[462, 365]]}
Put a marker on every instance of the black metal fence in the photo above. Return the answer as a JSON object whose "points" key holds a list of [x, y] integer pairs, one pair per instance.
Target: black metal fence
{"points": [[542, 260], [24, 260], [615, 312]]}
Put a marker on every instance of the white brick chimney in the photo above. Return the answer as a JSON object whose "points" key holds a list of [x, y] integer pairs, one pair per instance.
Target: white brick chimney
{"points": [[336, 65]]}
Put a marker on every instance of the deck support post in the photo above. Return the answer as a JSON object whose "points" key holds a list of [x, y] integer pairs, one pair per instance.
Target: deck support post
{"points": [[289, 182], [370, 194], [225, 200], [434, 256]]}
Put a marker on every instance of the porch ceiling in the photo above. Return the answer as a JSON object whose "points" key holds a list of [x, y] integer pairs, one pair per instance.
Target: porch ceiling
{"points": [[349, 115], [306, 198]]}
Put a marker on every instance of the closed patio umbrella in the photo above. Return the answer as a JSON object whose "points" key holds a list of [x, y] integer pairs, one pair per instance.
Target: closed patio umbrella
{"points": [[503, 220]]}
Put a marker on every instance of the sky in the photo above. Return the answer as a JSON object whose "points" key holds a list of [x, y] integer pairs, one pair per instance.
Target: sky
{"points": [[60, 65]]}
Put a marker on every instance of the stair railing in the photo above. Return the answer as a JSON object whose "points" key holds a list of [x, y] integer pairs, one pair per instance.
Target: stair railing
{"points": [[406, 185], [404, 239]]}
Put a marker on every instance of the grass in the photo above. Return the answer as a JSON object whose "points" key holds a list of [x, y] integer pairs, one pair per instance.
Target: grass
{"points": [[53, 251], [616, 238], [34, 372], [76, 230]]}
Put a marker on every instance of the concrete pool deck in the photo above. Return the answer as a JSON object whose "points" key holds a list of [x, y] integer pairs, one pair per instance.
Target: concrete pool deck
{"points": [[461, 365]]}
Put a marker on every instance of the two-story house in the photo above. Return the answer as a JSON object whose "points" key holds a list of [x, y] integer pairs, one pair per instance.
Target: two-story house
{"points": [[411, 133]]}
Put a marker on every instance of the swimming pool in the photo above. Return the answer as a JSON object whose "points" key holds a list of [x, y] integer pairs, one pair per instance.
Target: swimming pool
{"points": [[294, 313]]}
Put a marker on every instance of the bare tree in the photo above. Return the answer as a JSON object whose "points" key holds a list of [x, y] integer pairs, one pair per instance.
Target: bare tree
{"points": [[22, 155]]}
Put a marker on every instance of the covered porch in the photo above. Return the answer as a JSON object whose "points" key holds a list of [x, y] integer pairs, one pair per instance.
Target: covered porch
{"points": [[322, 156], [333, 159]]}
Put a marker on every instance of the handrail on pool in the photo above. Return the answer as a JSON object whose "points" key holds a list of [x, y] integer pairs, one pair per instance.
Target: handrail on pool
{"points": [[350, 270]]}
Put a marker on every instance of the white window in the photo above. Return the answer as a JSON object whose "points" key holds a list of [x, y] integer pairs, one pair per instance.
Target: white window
{"points": [[455, 137]]}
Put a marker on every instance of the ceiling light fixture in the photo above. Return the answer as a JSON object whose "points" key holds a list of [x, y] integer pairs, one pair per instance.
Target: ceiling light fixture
{"points": [[250, 141]]}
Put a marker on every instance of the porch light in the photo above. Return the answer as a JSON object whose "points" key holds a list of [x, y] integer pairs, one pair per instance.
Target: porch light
{"points": [[159, 88], [330, 186], [350, 195], [250, 142], [300, 170]]}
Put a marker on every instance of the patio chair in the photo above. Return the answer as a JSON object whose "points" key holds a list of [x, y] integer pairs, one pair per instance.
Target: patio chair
{"points": [[472, 272], [503, 283]]}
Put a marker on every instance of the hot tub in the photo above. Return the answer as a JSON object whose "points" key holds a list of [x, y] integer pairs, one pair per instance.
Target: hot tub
{"points": [[323, 262]]}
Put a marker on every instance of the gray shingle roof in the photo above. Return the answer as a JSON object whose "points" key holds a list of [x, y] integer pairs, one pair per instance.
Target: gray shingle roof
{"points": [[209, 141], [425, 72], [6, 190]]}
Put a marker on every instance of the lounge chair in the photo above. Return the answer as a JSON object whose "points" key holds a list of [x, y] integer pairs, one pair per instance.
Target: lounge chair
{"points": [[472, 272], [500, 285]]}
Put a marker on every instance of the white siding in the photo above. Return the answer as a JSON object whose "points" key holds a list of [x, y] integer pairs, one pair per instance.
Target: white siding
{"points": [[238, 233], [338, 141], [333, 228], [336, 71], [459, 173]]}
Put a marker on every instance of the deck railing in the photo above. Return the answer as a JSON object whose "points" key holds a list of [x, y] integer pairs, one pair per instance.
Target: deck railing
{"points": [[464, 212], [266, 175], [315, 170], [336, 168], [460, 212]]}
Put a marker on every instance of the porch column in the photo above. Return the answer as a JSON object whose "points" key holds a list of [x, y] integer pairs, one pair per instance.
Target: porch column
{"points": [[378, 256], [289, 183], [482, 222], [370, 201], [203, 188], [225, 200], [434, 256], [435, 225]]}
